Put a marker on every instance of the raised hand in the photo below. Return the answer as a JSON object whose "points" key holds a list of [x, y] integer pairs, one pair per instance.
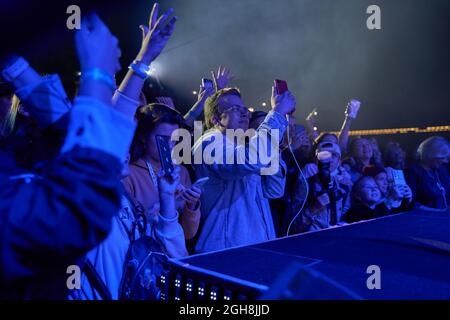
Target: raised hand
{"points": [[352, 109], [222, 78], [204, 93], [312, 117], [168, 185], [407, 192], [284, 103], [323, 200], [192, 197], [96, 46], [155, 35]]}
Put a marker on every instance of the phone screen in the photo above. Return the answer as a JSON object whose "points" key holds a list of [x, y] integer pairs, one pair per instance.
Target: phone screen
{"points": [[200, 182], [165, 156], [398, 177]]}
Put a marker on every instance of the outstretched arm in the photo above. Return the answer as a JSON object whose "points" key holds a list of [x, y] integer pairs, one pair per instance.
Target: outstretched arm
{"points": [[154, 38], [350, 114]]}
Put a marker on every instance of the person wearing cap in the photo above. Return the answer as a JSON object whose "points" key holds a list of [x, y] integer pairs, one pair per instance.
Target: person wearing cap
{"points": [[429, 179], [141, 184], [329, 192]]}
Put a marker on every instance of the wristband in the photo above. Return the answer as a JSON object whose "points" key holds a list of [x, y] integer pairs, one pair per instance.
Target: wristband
{"points": [[140, 69], [13, 71], [99, 75], [167, 219]]}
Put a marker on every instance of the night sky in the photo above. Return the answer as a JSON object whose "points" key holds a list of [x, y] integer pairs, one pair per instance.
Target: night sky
{"points": [[321, 47]]}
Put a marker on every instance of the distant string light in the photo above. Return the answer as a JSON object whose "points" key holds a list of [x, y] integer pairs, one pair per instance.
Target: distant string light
{"points": [[377, 132]]}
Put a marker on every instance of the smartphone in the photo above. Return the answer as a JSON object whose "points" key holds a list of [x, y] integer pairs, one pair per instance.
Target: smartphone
{"points": [[281, 86], [163, 144], [200, 182], [207, 83], [398, 177]]}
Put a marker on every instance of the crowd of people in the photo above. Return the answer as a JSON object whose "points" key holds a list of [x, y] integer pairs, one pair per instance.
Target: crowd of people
{"points": [[82, 180]]}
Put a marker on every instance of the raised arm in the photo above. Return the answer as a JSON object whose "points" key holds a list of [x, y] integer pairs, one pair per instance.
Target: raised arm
{"points": [[154, 38], [197, 109], [311, 125], [55, 217], [44, 96], [242, 155], [350, 114]]}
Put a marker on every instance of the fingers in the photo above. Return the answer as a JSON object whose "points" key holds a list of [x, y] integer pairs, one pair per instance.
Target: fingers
{"points": [[169, 28], [145, 30], [153, 16], [160, 22], [190, 197], [194, 191]]}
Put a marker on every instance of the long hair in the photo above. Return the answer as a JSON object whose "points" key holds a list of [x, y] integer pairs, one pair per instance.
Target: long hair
{"points": [[8, 124], [148, 118]]}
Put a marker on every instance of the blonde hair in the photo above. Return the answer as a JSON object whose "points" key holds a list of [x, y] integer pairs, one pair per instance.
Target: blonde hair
{"points": [[7, 126]]}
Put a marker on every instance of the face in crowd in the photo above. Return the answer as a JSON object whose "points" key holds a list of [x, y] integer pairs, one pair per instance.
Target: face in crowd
{"points": [[382, 182], [362, 149], [434, 152], [233, 113], [162, 129], [394, 156], [367, 191]]}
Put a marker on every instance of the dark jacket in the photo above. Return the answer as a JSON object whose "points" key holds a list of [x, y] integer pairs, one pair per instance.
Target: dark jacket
{"points": [[49, 220], [431, 189], [361, 212]]}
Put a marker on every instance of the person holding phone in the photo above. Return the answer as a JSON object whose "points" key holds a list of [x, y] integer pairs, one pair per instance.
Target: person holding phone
{"points": [[396, 196], [235, 210], [220, 80], [159, 120]]}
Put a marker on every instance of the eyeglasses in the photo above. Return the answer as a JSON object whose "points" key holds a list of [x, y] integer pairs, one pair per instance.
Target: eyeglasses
{"points": [[235, 108]]}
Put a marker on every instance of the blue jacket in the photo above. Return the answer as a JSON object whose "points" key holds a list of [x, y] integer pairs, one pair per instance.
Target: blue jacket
{"points": [[235, 207], [50, 218]]}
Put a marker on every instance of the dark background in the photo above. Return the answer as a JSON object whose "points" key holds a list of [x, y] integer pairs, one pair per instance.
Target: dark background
{"points": [[321, 47]]}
